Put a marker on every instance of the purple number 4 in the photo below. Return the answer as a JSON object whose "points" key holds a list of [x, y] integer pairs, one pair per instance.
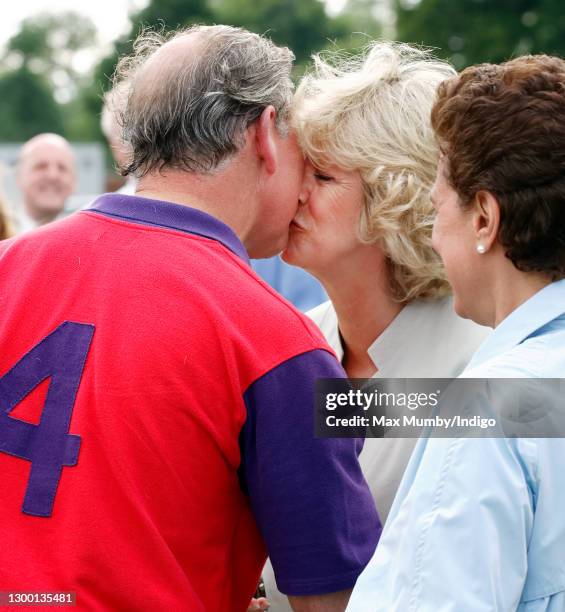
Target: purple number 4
{"points": [[60, 356]]}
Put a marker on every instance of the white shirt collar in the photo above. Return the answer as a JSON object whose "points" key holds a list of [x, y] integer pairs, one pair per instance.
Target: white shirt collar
{"points": [[425, 338], [424, 327]]}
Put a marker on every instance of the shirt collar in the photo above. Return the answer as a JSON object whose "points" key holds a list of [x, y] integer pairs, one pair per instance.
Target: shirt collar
{"points": [[158, 213], [414, 323], [542, 308], [417, 323]]}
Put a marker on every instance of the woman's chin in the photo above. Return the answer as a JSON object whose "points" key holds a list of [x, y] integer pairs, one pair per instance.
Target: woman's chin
{"points": [[291, 254], [288, 255]]}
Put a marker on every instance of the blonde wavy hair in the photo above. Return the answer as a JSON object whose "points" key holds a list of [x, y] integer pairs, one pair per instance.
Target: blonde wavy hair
{"points": [[371, 113]]}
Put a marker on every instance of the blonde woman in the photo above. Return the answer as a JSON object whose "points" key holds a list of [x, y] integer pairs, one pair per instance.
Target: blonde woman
{"points": [[364, 230]]}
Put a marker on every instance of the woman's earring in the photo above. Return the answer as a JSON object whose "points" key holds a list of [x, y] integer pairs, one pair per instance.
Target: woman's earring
{"points": [[481, 249]]}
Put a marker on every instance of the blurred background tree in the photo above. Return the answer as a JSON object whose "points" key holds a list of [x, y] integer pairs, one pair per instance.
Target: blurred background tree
{"points": [[472, 31], [41, 82], [27, 106], [50, 44], [48, 82], [363, 21], [44, 86], [301, 25]]}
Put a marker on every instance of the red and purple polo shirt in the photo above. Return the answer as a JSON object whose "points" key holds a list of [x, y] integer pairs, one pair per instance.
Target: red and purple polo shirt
{"points": [[156, 420]]}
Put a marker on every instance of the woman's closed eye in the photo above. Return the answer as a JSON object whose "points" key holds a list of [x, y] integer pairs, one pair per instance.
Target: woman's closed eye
{"points": [[319, 176]]}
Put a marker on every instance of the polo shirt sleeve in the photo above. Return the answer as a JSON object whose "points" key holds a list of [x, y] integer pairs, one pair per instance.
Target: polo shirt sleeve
{"points": [[309, 497]]}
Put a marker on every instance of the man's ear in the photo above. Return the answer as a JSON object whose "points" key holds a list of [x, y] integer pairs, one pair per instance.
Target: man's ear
{"points": [[486, 211], [265, 137]]}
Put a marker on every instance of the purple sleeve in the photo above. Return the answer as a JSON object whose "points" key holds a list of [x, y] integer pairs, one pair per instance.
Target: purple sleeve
{"points": [[310, 499]]}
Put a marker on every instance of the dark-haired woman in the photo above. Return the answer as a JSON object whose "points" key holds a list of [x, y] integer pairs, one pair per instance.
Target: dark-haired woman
{"points": [[479, 524]]}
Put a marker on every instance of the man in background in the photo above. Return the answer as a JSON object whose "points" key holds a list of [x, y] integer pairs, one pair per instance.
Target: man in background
{"points": [[46, 177]]}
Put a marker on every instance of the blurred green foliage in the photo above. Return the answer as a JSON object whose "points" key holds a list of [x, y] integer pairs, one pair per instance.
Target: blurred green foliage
{"points": [[51, 39], [38, 58], [472, 31], [301, 25], [173, 13], [39, 61], [27, 106], [42, 53]]}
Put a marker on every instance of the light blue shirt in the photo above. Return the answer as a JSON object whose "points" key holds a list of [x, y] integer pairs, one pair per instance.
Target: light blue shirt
{"points": [[479, 524], [295, 284]]}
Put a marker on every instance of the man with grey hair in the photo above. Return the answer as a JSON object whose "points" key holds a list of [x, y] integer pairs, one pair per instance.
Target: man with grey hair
{"points": [[204, 97], [185, 382]]}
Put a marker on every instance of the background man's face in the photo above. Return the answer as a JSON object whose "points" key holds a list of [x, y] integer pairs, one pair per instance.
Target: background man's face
{"points": [[46, 178]]}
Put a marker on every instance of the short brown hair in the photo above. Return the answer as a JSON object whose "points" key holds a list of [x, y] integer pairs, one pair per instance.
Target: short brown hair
{"points": [[502, 129]]}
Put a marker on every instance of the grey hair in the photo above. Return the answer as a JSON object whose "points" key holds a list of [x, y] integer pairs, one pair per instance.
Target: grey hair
{"points": [[196, 114]]}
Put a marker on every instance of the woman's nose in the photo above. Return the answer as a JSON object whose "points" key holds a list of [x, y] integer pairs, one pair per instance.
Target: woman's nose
{"points": [[307, 183], [303, 196]]}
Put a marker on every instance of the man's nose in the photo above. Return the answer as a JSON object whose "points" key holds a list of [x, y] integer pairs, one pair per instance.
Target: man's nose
{"points": [[53, 172]]}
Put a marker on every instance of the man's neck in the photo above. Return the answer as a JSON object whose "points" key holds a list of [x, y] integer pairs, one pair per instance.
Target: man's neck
{"points": [[221, 195]]}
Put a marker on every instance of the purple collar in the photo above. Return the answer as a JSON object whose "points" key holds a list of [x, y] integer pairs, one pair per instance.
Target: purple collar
{"points": [[166, 214]]}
